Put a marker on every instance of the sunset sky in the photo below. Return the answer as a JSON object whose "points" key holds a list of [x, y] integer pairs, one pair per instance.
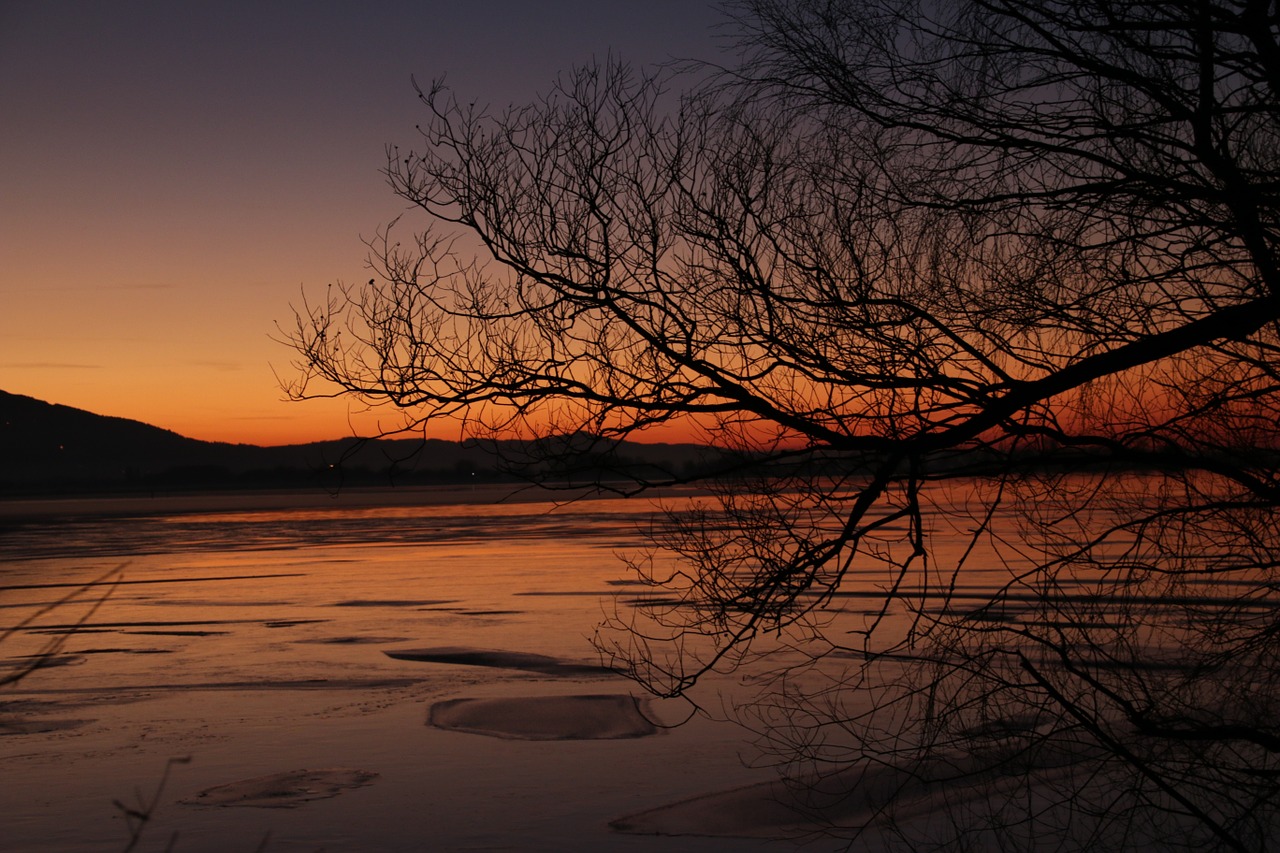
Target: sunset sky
{"points": [[174, 175]]}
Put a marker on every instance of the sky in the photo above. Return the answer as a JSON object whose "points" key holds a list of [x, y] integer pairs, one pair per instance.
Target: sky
{"points": [[174, 176]]}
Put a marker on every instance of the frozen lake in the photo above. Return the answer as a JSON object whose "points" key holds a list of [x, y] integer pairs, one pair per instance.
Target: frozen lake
{"points": [[254, 635], [407, 669]]}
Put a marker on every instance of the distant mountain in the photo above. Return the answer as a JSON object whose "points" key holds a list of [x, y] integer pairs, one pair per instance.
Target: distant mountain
{"points": [[47, 448]]}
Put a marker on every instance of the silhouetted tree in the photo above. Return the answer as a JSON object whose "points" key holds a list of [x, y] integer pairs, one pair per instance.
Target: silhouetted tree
{"points": [[995, 272]]}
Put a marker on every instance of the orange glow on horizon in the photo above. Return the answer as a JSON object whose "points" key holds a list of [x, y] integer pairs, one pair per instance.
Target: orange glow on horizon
{"points": [[227, 414]]}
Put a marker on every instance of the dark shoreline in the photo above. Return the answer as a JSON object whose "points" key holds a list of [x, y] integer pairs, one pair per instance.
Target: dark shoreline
{"points": [[19, 509]]}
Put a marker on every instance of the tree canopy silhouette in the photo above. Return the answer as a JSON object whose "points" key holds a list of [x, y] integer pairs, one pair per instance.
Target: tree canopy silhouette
{"points": [[997, 272]]}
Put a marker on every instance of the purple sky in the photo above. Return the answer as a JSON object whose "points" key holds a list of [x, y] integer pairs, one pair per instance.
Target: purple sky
{"points": [[174, 173]]}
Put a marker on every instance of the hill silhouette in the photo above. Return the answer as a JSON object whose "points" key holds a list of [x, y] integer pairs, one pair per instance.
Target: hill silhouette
{"points": [[46, 448]]}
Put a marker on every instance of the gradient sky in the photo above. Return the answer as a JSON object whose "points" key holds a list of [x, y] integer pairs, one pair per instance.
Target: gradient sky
{"points": [[174, 174]]}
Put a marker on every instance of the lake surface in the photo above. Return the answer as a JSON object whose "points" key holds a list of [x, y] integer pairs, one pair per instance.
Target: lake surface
{"points": [[412, 669], [253, 635]]}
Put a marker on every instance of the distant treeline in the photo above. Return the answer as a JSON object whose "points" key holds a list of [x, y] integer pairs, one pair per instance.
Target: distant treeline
{"points": [[47, 449]]}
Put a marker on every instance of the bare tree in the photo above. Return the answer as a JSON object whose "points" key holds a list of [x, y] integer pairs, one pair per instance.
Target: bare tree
{"points": [[1001, 272]]}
